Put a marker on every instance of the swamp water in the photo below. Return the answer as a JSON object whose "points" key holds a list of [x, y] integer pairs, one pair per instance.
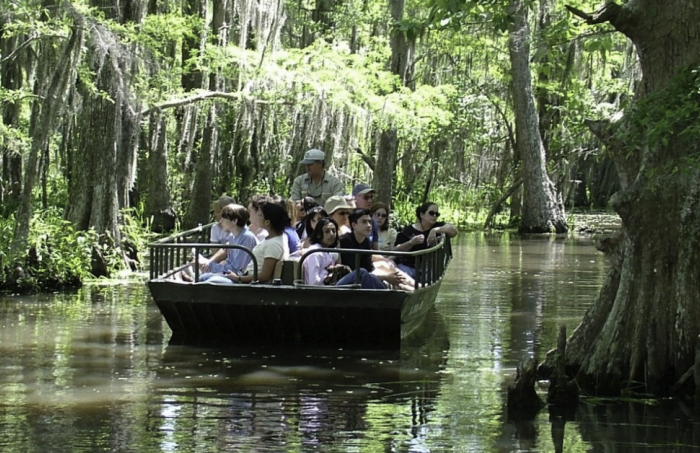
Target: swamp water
{"points": [[93, 371]]}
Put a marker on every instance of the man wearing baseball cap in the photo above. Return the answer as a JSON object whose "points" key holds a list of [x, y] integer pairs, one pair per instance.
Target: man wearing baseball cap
{"points": [[364, 197], [316, 183]]}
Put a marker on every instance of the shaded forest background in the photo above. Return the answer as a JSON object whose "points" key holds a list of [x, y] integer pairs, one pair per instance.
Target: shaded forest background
{"points": [[124, 114]]}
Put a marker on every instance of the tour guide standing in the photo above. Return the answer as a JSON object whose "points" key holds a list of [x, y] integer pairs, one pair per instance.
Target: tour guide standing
{"points": [[316, 183]]}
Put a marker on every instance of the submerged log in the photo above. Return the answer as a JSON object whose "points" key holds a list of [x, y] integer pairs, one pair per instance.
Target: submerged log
{"points": [[523, 401]]}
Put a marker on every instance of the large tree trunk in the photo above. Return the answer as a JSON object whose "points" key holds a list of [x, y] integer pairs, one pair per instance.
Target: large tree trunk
{"points": [[386, 165], [158, 204], [640, 334], [192, 47], [402, 65], [200, 199], [543, 210], [10, 80], [46, 110], [93, 189]]}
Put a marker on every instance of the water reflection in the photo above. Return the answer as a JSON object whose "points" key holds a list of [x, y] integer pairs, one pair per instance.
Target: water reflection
{"points": [[93, 370]]}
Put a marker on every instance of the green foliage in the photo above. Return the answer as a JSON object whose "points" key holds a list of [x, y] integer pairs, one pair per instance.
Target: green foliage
{"points": [[327, 86], [667, 122], [135, 228], [57, 256]]}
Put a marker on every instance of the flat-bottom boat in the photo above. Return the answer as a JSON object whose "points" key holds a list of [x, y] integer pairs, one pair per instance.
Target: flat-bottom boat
{"points": [[287, 311]]}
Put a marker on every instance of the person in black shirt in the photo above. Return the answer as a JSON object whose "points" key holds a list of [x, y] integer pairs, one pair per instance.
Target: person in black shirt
{"points": [[358, 239], [421, 235]]}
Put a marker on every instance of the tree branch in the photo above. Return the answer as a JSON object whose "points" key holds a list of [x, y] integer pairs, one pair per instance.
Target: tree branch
{"points": [[504, 197], [608, 13], [204, 95], [369, 160], [620, 17]]}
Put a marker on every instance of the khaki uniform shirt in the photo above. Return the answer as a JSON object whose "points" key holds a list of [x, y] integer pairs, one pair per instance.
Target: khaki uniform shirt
{"points": [[304, 187]]}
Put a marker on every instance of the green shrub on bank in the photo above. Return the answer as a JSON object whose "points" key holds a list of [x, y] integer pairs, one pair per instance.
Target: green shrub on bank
{"points": [[56, 257]]}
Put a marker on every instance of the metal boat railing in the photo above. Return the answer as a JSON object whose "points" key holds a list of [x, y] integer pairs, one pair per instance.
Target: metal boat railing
{"points": [[430, 264], [170, 255]]}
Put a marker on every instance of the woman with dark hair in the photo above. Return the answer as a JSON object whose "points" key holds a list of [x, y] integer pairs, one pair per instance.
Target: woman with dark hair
{"points": [[312, 217], [387, 235], [293, 241], [304, 205], [316, 266], [255, 205], [234, 219], [421, 234], [273, 249]]}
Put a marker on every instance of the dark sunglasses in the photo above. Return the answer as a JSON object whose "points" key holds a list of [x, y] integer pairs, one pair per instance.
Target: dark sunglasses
{"points": [[380, 215], [343, 213], [434, 214], [368, 197]]}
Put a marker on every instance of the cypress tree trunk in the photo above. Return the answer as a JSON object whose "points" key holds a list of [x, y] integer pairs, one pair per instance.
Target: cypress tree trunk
{"points": [[46, 110], [401, 65], [200, 199], [93, 189], [158, 204], [191, 47], [641, 332], [11, 80], [543, 211]]}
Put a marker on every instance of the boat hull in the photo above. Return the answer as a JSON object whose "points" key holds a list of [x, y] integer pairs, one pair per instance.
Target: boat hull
{"points": [[271, 314]]}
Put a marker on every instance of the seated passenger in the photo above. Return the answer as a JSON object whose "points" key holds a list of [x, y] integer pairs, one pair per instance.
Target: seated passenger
{"points": [[363, 197], [387, 235], [234, 219], [319, 266], [217, 235], [310, 221], [339, 210], [293, 241], [304, 205], [421, 235], [359, 239], [273, 249], [255, 210]]}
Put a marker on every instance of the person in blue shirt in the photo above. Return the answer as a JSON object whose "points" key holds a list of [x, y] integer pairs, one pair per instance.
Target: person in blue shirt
{"points": [[234, 219]]}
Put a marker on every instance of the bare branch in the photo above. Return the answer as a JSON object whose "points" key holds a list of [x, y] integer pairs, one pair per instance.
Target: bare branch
{"points": [[202, 96], [369, 160], [608, 13], [620, 17], [496, 206]]}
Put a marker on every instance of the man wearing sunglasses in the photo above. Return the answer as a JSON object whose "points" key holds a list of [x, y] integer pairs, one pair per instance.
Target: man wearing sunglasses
{"points": [[316, 183], [364, 197]]}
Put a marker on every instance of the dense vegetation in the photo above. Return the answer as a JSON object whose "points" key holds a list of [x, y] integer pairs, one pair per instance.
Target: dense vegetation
{"points": [[139, 113]]}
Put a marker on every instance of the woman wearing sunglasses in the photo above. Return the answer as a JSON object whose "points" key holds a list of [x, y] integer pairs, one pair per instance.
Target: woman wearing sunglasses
{"points": [[387, 235], [421, 235], [338, 209]]}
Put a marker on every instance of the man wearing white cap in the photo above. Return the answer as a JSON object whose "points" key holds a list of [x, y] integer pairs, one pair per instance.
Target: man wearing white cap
{"points": [[316, 183]]}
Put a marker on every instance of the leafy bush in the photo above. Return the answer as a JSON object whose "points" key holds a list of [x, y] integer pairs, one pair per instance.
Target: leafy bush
{"points": [[57, 256]]}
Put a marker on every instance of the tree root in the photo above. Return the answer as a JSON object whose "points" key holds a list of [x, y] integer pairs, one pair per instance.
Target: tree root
{"points": [[523, 401]]}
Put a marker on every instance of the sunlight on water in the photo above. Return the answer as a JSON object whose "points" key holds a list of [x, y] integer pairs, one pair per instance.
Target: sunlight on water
{"points": [[92, 370]]}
